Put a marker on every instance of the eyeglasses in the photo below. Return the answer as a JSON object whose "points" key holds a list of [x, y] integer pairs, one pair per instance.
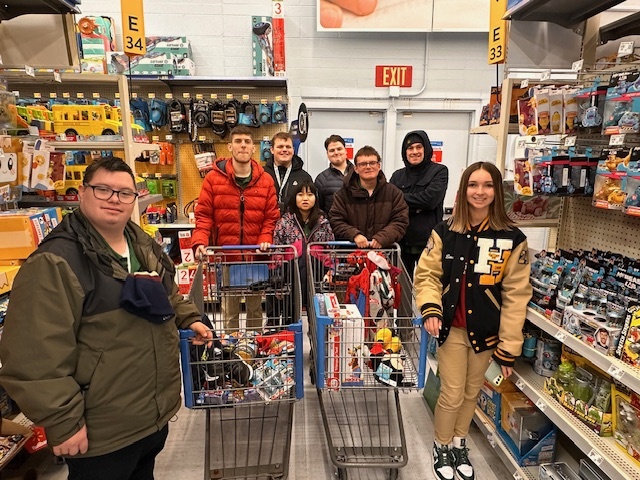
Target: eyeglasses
{"points": [[105, 193], [368, 164]]}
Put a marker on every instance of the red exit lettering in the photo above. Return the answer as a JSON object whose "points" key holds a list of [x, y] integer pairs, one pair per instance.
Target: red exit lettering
{"points": [[394, 75]]}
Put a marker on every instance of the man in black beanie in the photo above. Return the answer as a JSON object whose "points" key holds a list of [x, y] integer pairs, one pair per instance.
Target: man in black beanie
{"points": [[424, 184]]}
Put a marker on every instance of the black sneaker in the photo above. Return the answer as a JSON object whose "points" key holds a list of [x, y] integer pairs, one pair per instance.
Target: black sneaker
{"points": [[442, 462], [463, 467]]}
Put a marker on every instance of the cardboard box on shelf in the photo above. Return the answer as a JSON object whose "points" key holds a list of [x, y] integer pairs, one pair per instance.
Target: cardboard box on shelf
{"points": [[8, 428], [490, 399], [153, 63], [23, 230], [7, 275]]}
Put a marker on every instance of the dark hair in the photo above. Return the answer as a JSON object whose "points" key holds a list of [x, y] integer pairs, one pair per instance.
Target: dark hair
{"points": [[240, 130], [366, 151], [292, 206], [110, 164], [333, 139], [498, 219], [281, 136]]}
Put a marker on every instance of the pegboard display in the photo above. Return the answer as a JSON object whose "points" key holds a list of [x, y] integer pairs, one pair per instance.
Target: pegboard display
{"points": [[586, 227], [63, 90]]}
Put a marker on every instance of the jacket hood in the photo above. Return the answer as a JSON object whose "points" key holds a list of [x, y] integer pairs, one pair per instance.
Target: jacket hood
{"points": [[428, 149], [296, 163]]}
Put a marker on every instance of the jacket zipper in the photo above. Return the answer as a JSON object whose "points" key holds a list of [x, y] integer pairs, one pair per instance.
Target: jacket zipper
{"points": [[241, 216]]}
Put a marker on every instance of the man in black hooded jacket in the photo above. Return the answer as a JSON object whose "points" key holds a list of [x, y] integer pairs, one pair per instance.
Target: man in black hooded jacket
{"points": [[424, 184]]}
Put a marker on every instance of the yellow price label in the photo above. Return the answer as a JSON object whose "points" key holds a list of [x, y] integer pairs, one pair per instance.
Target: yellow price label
{"points": [[134, 95], [199, 96], [168, 95], [66, 95], [229, 96], [53, 95], [80, 95], [96, 95], [37, 95], [279, 98], [245, 97], [152, 95], [155, 138], [202, 138], [263, 101], [186, 95], [214, 96], [117, 95]]}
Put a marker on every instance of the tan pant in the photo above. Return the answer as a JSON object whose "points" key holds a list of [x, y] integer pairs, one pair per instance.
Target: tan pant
{"points": [[461, 375], [230, 307]]}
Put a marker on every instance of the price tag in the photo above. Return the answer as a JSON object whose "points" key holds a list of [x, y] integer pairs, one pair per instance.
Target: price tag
{"points": [[520, 384], [541, 404], [95, 95], [53, 95], [615, 371], [2, 155], [37, 95], [202, 138], [524, 83], [214, 96], [80, 95], [546, 75], [617, 139], [229, 96], [155, 138], [625, 48], [134, 95], [186, 95], [570, 141], [560, 336], [117, 95], [1, 60], [577, 66], [152, 95], [168, 138], [245, 98], [16, 93], [540, 141], [29, 71], [199, 96], [145, 175], [278, 98], [66, 95], [491, 440], [168, 95], [263, 101], [595, 457], [57, 77], [517, 476]]}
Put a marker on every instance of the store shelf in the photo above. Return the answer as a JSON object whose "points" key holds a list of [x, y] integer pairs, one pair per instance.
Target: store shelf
{"points": [[144, 202], [174, 226], [41, 201], [629, 25], [602, 451], [236, 82], [568, 14], [14, 8], [138, 148], [487, 427], [551, 222], [614, 366]]}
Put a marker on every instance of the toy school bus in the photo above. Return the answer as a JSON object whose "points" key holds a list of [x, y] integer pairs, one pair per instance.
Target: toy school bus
{"points": [[73, 120], [73, 178]]}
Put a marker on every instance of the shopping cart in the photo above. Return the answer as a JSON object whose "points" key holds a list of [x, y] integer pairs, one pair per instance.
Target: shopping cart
{"points": [[249, 378], [362, 357]]}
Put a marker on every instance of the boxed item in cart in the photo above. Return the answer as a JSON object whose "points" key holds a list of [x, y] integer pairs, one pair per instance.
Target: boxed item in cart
{"points": [[345, 340], [626, 420], [186, 275], [490, 398]]}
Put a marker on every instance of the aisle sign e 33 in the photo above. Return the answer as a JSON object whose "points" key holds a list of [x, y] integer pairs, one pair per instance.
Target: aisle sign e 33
{"points": [[133, 27], [497, 32]]}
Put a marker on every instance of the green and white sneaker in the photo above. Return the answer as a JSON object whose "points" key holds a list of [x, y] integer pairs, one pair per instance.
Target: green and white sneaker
{"points": [[460, 456], [442, 462]]}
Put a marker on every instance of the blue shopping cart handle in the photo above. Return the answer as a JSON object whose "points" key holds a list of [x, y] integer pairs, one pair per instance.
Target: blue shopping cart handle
{"points": [[338, 243], [244, 247]]}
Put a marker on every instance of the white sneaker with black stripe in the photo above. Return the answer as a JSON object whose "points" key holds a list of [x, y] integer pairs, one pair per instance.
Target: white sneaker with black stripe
{"points": [[442, 462], [461, 463]]}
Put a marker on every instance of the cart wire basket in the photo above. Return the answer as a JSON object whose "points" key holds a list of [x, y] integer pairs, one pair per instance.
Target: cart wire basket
{"points": [[368, 344], [249, 377]]}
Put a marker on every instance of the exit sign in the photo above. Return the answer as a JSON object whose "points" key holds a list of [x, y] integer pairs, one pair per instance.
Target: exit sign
{"points": [[394, 75]]}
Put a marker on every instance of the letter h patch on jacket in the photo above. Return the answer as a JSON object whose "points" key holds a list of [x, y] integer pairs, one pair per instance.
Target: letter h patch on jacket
{"points": [[492, 258]]}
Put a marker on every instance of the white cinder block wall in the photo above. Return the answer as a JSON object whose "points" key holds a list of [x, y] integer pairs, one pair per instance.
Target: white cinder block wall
{"points": [[330, 70]]}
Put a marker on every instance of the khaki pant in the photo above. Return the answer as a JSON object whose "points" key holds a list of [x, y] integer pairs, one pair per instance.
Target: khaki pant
{"points": [[230, 307], [461, 375]]}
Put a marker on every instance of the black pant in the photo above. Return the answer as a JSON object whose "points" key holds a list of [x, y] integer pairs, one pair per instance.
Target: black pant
{"points": [[409, 260], [134, 462]]}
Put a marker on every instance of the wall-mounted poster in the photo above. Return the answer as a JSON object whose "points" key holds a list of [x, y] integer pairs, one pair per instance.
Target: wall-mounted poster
{"points": [[375, 15]]}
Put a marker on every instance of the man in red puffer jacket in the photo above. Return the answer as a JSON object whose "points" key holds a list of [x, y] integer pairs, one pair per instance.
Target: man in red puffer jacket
{"points": [[237, 206]]}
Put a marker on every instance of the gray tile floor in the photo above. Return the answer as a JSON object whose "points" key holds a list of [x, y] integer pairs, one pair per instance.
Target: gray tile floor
{"points": [[183, 456]]}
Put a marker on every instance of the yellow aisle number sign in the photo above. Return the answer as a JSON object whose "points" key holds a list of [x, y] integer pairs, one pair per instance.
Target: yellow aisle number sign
{"points": [[497, 32], [133, 27]]}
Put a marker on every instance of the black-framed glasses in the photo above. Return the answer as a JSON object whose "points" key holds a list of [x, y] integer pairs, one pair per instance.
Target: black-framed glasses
{"points": [[368, 164], [105, 193]]}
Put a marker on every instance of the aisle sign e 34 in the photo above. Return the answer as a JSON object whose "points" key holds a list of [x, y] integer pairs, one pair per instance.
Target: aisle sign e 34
{"points": [[133, 27], [497, 32]]}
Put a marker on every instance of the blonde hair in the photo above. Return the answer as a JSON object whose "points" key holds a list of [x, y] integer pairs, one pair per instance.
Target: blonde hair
{"points": [[498, 219]]}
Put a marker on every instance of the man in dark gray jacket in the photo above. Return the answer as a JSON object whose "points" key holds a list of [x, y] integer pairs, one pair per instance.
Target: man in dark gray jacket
{"points": [[329, 181], [424, 184]]}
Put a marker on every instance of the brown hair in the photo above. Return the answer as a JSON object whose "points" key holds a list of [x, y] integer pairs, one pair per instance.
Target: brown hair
{"points": [[498, 219], [240, 130], [110, 164], [366, 151], [281, 136], [333, 139]]}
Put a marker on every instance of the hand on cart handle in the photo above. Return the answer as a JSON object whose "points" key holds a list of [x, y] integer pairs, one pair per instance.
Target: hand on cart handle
{"points": [[433, 325], [264, 246], [203, 334], [77, 443], [361, 241], [201, 251]]}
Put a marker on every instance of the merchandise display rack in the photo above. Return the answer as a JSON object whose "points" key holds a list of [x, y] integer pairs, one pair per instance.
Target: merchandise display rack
{"points": [[603, 451]]}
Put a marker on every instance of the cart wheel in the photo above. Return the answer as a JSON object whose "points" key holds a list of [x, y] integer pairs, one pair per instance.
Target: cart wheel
{"points": [[342, 474], [393, 473]]}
